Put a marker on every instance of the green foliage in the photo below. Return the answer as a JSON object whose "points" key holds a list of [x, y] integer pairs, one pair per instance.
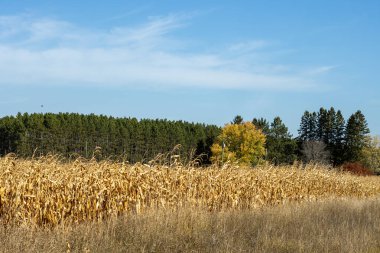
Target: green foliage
{"points": [[339, 139], [309, 127], [343, 142], [237, 120], [331, 133], [10, 134], [356, 136], [370, 156], [141, 140], [281, 148], [261, 124], [242, 143], [128, 138]]}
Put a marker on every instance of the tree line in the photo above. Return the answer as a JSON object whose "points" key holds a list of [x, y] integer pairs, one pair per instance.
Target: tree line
{"points": [[336, 141], [323, 136], [71, 134]]}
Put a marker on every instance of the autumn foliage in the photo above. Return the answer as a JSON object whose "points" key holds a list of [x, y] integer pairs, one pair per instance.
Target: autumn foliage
{"points": [[243, 143], [357, 169]]}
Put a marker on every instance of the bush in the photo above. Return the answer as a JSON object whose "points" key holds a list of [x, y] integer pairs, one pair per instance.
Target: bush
{"points": [[357, 169]]}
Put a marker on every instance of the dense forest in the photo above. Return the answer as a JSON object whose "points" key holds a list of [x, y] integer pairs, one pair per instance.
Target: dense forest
{"points": [[71, 134], [324, 136]]}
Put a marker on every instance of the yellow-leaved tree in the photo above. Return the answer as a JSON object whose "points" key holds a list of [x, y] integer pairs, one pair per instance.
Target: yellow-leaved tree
{"points": [[243, 143]]}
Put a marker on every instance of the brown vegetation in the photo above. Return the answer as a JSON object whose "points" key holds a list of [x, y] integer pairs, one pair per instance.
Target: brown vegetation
{"points": [[332, 226], [357, 169], [47, 192]]}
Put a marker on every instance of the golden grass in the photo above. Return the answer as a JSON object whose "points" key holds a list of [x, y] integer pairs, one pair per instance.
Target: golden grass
{"points": [[345, 226], [48, 192]]}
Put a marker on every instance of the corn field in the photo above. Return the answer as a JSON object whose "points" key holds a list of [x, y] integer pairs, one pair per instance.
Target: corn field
{"points": [[47, 192]]}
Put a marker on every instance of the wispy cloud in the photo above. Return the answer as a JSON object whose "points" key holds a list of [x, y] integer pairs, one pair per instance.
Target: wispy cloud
{"points": [[151, 34], [321, 70], [54, 52]]}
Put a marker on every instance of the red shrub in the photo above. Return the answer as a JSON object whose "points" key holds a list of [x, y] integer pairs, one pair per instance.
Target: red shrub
{"points": [[357, 169]]}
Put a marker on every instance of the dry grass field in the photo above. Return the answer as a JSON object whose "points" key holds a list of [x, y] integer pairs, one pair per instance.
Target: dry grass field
{"points": [[329, 226], [49, 205]]}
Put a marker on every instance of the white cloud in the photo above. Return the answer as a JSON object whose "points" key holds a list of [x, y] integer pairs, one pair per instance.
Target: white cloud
{"points": [[53, 52]]}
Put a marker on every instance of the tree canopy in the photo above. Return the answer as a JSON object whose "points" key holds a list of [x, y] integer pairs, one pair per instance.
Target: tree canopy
{"points": [[242, 143], [356, 136], [324, 136], [281, 148], [342, 142], [370, 155], [70, 134]]}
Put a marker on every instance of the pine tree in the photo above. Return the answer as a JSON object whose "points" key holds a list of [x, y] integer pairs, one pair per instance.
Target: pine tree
{"points": [[322, 125], [278, 129], [281, 148], [338, 139], [309, 127], [261, 124], [128, 138], [237, 120], [329, 128], [356, 136]]}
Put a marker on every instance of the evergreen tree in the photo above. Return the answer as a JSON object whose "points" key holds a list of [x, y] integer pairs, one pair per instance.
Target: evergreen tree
{"points": [[10, 134], [71, 134], [261, 124], [309, 127], [325, 127], [329, 132], [326, 123], [356, 136], [322, 123], [237, 120], [280, 146], [338, 140], [278, 129]]}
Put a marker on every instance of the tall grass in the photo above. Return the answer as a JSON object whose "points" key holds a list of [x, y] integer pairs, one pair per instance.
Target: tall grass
{"points": [[329, 226]]}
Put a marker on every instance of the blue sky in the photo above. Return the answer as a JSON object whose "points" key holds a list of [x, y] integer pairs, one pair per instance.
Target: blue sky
{"points": [[201, 61]]}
